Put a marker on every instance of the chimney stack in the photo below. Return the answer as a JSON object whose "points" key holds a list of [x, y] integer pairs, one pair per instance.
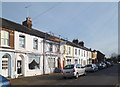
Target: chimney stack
{"points": [[27, 23], [75, 41], [81, 43]]}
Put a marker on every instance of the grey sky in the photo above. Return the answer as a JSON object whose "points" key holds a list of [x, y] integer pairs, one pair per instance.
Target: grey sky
{"points": [[95, 23]]}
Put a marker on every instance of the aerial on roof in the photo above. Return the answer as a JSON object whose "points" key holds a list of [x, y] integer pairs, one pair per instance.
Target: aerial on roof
{"points": [[4, 23]]}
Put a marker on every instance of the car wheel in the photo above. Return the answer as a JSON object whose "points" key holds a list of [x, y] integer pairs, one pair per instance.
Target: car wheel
{"points": [[84, 74], [64, 77], [76, 76]]}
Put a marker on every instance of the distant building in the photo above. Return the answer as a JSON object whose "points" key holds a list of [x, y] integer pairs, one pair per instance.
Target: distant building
{"points": [[97, 56]]}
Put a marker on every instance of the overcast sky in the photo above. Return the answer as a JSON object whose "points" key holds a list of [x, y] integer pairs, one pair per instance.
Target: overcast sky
{"points": [[95, 23]]}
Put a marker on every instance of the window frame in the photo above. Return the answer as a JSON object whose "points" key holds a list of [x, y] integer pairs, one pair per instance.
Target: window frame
{"points": [[35, 46], [5, 39], [20, 41]]}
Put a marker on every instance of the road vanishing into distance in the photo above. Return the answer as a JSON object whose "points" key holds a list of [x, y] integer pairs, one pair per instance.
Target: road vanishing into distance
{"points": [[108, 76]]}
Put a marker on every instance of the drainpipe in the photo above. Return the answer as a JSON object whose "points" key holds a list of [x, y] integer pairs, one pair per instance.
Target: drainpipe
{"points": [[44, 42]]}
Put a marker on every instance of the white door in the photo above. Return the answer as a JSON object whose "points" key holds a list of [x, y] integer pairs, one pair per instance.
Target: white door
{"points": [[5, 66]]}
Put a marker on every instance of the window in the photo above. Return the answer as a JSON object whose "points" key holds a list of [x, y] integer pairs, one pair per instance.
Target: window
{"points": [[51, 47], [51, 62], [58, 47], [69, 50], [5, 62], [79, 52], [87, 54], [35, 44], [4, 38], [22, 41], [68, 61], [75, 51], [34, 62], [84, 53], [63, 49], [69, 67], [79, 61], [76, 61]]}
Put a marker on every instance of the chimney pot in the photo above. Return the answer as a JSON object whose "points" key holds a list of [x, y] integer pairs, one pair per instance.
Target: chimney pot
{"points": [[27, 22]]}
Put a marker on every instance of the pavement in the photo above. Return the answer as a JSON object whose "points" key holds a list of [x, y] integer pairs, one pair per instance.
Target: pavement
{"points": [[105, 77]]}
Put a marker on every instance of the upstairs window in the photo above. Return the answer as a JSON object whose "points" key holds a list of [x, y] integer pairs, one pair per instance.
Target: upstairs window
{"points": [[58, 47], [51, 47], [69, 50], [84, 53], [4, 38], [63, 49], [22, 41], [35, 44], [79, 52], [75, 51]]}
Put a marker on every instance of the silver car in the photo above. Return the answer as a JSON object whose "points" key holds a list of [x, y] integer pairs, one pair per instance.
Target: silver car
{"points": [[73, 70], [91, 67]]}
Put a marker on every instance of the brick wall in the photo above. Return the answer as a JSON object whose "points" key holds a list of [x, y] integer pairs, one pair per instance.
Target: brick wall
{"points": [[11, 38]]}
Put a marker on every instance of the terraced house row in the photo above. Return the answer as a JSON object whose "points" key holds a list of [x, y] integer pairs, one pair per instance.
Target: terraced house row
{"points": [[25, 51]]}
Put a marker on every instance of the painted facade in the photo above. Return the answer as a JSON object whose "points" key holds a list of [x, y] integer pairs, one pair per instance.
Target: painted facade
{"points": [[66, 54], [28, 58], [28, 52], [7, 52]]}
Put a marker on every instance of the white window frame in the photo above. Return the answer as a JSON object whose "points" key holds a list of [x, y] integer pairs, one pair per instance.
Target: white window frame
{"points": [[5, 38], [35, 45], [75, 51], [20, 41], [79, 51], [69, 50]]}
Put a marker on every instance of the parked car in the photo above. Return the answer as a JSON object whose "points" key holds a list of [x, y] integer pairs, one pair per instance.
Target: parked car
{"points": [[103, 65], [99, 65], [111, 63], [91, 67], [108, 64], [4, 82], [73, 70]]}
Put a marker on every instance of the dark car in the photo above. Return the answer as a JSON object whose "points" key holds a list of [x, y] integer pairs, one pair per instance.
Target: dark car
{"points": [[4, 82], [99, 65]]}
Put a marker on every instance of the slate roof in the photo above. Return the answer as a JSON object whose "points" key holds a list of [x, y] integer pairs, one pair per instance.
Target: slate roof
{"points": [[21, 28]]}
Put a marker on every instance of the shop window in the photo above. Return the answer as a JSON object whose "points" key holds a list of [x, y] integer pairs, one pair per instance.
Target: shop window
{"points": [[51, 62], [34, 62], [4, 38]]}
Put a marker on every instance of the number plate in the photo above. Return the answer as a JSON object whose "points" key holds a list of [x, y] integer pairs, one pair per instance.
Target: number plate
{"points": [[67, 72]]}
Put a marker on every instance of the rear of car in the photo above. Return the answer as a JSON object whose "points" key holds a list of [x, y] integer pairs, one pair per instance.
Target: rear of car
{"points": [[91, 68], [73, 70], [69, 71], [4, 82]]}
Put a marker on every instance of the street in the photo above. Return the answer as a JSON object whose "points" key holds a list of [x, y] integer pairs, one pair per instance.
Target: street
{"points": [[108, 76]]}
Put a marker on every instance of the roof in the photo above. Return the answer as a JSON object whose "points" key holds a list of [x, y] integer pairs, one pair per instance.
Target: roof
{"points": [[21, 28]]}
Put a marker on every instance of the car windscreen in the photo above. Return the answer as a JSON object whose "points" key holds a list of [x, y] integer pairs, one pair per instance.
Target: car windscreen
{"points": [[69, 67], [88, 65]]}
